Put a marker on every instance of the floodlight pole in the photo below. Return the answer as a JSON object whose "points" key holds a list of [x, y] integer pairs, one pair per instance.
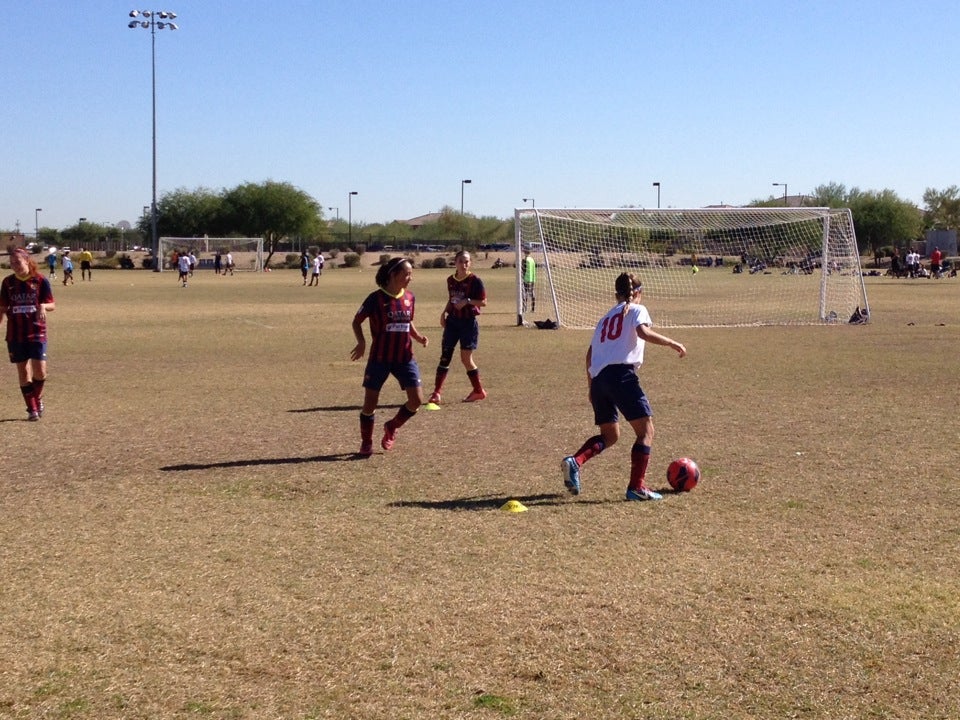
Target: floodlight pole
{"points": [[784, 192], [152, 24], [657, 186], [462, 183], [338, 212], [350, 217], [533, 201], [36, 225]]}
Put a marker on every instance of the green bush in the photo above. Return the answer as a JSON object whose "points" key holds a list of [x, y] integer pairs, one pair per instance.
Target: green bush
{"points": [[384, 258], [351, 260], [439, 262]]}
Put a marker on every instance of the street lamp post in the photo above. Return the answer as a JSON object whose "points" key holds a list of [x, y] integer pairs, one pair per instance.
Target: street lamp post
{"points": [[784, 192], [36, 224], [657, 186], [350, 217], [151, 22], [338, 212], [533, 201], [462, 183]]}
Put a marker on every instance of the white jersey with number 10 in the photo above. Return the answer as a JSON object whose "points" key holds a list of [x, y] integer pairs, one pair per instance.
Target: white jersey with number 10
{"points": [[615, 341]]}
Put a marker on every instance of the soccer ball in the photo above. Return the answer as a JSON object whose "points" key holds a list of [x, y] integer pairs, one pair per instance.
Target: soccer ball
{"points": [[683, 474]]}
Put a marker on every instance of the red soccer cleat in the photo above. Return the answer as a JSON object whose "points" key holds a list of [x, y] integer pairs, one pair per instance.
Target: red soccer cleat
{"points": [[389, 436], [476, 395]]}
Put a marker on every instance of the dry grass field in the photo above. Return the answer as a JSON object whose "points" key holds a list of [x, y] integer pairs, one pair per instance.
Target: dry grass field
{"points": [[187, 532]]}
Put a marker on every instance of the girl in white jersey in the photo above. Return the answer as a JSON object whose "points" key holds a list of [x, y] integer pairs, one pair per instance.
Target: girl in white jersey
{"points": [[615, 352]]}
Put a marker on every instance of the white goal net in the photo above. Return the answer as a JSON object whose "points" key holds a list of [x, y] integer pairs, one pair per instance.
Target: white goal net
{"points": [[710, 267], [247, 253]]}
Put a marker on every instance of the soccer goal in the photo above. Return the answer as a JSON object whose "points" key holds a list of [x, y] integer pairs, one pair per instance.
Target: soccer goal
{"points": [[247, 252], [710, 267]]}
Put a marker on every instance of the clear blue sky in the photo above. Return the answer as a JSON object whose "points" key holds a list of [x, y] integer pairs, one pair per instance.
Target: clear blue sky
{"points": [[573, 104]]}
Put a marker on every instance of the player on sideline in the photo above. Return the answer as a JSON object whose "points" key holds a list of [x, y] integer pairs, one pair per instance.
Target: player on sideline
{"points": [[459, 323], [615, 352], [25, 299], [390, 310]]}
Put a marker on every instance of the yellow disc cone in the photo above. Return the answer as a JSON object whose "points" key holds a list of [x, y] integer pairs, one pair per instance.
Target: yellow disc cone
{"points": [[513, 506]]}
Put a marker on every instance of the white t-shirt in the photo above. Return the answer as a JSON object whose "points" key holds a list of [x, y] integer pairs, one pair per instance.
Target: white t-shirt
{"points": [[183, 263], [317, 264], [615, 341]]}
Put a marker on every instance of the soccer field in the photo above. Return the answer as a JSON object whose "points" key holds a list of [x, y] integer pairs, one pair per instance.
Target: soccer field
{"points": [[187, 532]]}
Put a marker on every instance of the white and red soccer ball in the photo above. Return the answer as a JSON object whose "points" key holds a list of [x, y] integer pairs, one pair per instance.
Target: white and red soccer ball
{"points": [[683, 474]]}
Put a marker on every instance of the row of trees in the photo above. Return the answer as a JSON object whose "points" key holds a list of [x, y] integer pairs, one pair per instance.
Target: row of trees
{"points": [[287, 218], [881, 218]]}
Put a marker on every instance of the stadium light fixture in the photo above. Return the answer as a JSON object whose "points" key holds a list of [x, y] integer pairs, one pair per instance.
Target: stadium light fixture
{"points": [[533, 201], [657, 186], [36, 224], [154, 20], [462, 183], [338, 212], [350, 217], [784, 192]]}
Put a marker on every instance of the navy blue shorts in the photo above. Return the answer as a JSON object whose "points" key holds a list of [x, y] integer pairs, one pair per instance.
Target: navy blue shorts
{"points": [[23, 351], [463, 331], [617, 387], [376, 374]]}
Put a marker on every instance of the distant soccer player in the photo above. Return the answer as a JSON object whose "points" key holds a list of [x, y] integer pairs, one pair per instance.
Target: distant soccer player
{"points": [[459, 322], [25, 299], [390, 310], [183, 265], [67, 268], [52, 263], [615, 352]]}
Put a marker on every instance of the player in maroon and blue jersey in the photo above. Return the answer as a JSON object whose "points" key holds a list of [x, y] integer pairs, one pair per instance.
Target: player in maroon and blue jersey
{"points": [[390, 310], [459, 323], [25, 299]]}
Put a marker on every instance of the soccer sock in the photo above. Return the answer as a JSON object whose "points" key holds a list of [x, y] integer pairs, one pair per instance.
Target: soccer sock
{"points": [[474, 377], [366, 428], [639, 458], [38, 389], [29, 397], [441, 377], [593, 446], [403, 414]]}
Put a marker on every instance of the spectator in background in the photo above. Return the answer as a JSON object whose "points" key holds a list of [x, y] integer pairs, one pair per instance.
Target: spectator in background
{"points": [[936, 260]]}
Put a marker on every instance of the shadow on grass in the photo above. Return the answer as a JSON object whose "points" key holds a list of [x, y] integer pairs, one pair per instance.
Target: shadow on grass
{"points": [[493, 502], [339, 457], [343, 408]]}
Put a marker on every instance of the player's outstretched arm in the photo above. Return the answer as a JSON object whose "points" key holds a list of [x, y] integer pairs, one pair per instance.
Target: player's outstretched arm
{"points": [[650, 335]]}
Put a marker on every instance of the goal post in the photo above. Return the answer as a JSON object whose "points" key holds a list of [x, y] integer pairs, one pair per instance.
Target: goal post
{"points": [[247, 252], [706, 267]]}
